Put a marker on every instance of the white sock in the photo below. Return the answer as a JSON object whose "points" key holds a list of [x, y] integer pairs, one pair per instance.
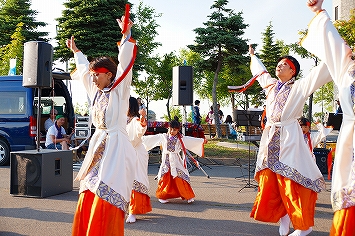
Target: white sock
{"points": [[191, 200], [131, 218], [163, 201], [299, 232], [284, 225]]}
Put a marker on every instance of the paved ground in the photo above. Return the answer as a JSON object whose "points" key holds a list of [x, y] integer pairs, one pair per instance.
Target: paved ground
{"points": [[222, 207]]}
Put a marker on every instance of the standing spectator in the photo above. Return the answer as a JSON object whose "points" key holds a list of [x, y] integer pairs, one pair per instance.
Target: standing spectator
{"points": [[107, 173], [196, 113], [50, 121], [141, 104], [338, 110], [210, 116], [220, 114]]}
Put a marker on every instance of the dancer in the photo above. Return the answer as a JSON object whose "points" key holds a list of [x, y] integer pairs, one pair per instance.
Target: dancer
{"points": [[288, 176], [324, 41], [313, 139], [174, 179], [136, 127], [106, 176]]}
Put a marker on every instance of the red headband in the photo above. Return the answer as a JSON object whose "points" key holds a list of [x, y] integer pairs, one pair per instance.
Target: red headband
{"points": [[290, 63], [100, 70]]}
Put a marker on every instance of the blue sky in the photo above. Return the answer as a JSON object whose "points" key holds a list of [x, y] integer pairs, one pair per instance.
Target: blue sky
{"points": [[179, 18]]}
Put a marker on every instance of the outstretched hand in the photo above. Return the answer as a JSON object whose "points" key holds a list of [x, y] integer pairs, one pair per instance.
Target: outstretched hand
{"points": [[315, 5], [121, 24], [251, 50], [71, 44]]}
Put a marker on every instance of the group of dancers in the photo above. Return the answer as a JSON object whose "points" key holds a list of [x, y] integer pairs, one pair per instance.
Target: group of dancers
{"points": [[113, 177], [114, 174]]}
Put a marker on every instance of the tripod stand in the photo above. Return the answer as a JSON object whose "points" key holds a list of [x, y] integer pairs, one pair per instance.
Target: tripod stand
{"points": [[248, 119]]}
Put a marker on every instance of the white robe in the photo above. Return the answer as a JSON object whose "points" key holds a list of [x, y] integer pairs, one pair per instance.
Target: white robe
{"points": [[324, 41], [135, 132], [114, 178], [176, 161], [295, 161]]}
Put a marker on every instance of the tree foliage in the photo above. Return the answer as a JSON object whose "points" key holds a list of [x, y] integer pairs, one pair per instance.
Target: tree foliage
{"points": [[94, 26], [271, 50], [13, 50], [158, 84], [220, 44], [14, 12], [347, 29], [145, 32]]}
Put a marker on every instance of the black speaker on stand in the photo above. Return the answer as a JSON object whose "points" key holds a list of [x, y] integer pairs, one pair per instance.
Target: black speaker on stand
{"points": [[37, 72], [182, 85], [41, 174], [37, 64]]}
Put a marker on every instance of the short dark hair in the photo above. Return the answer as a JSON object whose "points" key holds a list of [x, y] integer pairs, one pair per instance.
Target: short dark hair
{"points": [[304, 121], [175, 123], [105, 62], [294, 61], [133, 110], [197, 102]]}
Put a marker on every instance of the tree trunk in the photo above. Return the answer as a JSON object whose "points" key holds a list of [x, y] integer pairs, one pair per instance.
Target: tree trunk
{"points": [[214, 98]]}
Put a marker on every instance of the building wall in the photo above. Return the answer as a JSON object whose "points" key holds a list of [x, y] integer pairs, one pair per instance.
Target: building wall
{"points": [[344, 7]]}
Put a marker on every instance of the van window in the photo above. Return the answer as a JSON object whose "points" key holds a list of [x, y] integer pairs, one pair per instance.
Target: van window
{"points": [[12, 102], [47, 103]]}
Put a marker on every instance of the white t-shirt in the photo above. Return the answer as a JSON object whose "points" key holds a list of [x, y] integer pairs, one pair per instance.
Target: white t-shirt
{"points": [[53, 131]]}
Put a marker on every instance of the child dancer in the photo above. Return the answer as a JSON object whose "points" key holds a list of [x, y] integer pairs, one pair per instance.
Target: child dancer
{"points": [[136, 127], [174, 179], [313, 139]]}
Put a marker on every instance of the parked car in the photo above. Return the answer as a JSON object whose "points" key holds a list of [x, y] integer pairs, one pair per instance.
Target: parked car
{"points": [[18, 112]]}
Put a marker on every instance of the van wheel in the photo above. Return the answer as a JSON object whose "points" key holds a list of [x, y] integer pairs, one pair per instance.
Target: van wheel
{"points": [[4, 153]]}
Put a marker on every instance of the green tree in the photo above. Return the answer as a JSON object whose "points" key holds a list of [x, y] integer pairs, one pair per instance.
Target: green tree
{"points": [[220, 44], [93, 24], [158, 85], [13, 50], [271, 50], [145, 32], [14, 12], [347, 29]]}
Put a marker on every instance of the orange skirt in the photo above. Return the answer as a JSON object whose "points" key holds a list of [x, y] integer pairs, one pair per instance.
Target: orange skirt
{"points": [[169, 187], [278, 196], [140, 203], [95, 216], [343, 222]]}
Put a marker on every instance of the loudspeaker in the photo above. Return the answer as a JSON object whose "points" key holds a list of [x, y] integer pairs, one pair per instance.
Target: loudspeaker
{"points": [[41, 173], [37, 65], [334, 120], [321, 155], [182, 85]]}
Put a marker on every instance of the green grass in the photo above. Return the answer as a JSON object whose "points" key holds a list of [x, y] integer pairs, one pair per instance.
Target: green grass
{"points": [[212, 150]]}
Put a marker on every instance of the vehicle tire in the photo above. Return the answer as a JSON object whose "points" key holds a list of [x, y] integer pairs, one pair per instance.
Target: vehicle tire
{"points": [[4, 153]]}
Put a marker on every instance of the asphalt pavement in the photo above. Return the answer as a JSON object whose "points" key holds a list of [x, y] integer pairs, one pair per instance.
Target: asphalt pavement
{"points": [[222, 207]]}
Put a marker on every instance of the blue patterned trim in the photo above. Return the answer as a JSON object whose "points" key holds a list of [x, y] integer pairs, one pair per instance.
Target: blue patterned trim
{"points": [[139, 187], [166, 165], [345, 198], [108, 194], [182, 175]]}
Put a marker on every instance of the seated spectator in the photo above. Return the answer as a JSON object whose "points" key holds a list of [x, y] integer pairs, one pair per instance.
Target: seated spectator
{"points": [[232, 131], [50, 121], [56, 137]]}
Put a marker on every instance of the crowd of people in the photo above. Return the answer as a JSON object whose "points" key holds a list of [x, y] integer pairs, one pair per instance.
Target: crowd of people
{"points": [[113, 177]]}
